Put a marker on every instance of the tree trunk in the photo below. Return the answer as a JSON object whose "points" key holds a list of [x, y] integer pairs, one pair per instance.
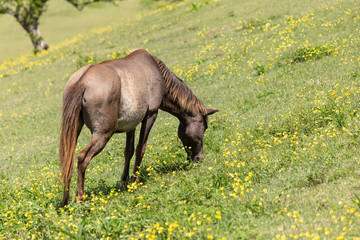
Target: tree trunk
{"points": [[34, 33], [27, 13], [28, 17]]}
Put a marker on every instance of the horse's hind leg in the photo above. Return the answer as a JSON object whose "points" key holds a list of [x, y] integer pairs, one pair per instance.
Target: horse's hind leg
{"points": [[96, 145], [128, 153]]}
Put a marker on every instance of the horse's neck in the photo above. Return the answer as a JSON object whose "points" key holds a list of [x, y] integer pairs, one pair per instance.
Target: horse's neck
{"points": [[176, 111]]}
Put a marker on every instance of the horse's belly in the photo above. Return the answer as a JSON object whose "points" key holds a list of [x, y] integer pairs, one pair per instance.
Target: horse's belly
{"points": [[128, 120], [134, 103]]}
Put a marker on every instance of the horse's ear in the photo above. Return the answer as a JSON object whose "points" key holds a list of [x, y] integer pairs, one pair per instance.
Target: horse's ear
{"points": [[211, 111]]}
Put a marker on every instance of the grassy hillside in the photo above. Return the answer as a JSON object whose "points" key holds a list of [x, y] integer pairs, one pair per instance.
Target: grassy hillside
{"points": [[281, 156], [61, 21]]}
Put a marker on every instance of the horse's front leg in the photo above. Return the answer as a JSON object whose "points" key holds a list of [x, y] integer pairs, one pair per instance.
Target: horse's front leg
{"points": [[128, 153], [146, 125]]}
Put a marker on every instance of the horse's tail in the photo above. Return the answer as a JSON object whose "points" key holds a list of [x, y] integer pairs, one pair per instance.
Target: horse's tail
{"points": [[72, 100]]}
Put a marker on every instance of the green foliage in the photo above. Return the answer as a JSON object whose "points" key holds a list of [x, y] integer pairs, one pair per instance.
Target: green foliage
{"points": [[86, 60], [260, 69], [197, 5], [311, 53]]}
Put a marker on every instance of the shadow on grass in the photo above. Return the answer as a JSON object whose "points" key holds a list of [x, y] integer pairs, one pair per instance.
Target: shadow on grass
{"points": [[164, 165], [104, 189]]}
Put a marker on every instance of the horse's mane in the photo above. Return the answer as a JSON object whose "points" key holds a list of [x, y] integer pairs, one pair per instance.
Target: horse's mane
{"points": [[178, 93]]}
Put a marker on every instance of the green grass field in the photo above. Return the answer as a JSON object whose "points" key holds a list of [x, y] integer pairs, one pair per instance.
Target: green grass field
{"points": [[62, 21], [281, 157]]}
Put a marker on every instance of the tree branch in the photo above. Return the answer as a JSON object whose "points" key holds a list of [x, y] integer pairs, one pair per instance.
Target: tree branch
{"points": [[79, 4], [6, 10]]}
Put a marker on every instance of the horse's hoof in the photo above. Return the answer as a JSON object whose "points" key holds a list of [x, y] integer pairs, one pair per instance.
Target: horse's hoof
{"points": [[123, 185], [135, 179], [64, 203], [79, 199], [197, 159]]}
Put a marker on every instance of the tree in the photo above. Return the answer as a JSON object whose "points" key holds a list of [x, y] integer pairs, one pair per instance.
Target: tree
{"points": [[28, 12]]}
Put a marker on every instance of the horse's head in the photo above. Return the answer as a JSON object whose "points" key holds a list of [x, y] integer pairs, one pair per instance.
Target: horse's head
{"points": [[191, 133]]}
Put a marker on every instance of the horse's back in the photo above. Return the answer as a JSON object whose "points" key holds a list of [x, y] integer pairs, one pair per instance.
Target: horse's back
{"points": [[120, 92]]}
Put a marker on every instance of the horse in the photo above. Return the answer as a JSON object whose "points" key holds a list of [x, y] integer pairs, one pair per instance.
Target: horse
{"points": [[114, 97]]}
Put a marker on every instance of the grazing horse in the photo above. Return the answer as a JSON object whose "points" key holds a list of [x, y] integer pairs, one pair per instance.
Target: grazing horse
{"points": [[114, 97]]}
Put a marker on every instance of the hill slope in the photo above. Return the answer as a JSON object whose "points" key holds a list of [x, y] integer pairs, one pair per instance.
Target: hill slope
{"points": [[61, 21], [281, 156]]}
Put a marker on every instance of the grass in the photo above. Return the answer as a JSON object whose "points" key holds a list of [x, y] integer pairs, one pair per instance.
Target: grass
{"points": [[62, 21], [281, 156]]}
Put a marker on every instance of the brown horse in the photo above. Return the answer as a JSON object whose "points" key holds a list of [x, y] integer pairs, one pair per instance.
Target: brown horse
{"points": [[114, 97]]}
